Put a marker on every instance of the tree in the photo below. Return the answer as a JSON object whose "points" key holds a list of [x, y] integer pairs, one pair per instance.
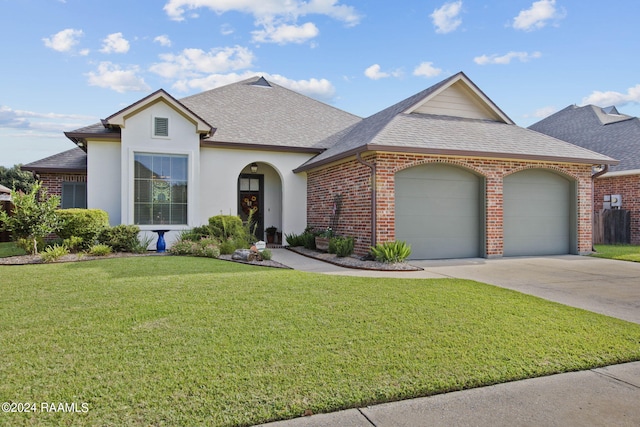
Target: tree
{"points": [[33, 215], [16, 179]]}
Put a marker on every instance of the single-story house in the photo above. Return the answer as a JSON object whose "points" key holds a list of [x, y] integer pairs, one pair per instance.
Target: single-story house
{"points": [[606, 131], [445, 170]]}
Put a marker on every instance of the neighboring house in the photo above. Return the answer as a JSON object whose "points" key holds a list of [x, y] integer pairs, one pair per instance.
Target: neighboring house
{"points": [[446, 170], [5, 193], [606, 131], [5, 204]]}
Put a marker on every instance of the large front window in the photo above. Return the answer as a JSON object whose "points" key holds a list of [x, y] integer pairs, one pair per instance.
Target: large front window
{"points": [[160, 186]]}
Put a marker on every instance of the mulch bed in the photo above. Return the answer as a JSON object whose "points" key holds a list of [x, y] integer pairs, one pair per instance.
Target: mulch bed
{"points": [[37, 259], [354, 262]]}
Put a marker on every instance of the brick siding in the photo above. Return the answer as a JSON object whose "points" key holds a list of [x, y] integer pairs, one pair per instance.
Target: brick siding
{"points": [[629, 188], [53, 182], [352, 179]]}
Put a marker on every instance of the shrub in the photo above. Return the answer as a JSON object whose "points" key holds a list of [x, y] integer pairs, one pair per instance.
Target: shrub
{"points": [[224, 227], [54, 252], [207, 250], [84, 223], [100, 250], [230, 229], [74, 243], [227, 247], [27, 245], [196, 233], [207, 247], [266, 254], [182, 247], [308, 240], [294, 240], [391, 252], [341, 246], [122, 238]]}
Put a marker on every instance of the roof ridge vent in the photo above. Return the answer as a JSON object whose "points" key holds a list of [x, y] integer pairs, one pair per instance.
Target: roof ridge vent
{"points": [[611, 110], [261, 82]]}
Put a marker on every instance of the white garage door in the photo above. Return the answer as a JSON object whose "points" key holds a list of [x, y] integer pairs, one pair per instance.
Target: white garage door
{"points": [[439, 211], [537, 213]]}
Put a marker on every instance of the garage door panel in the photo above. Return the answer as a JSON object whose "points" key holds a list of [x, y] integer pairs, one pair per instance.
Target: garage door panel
{"points": [[537, 209], [438, 211]]}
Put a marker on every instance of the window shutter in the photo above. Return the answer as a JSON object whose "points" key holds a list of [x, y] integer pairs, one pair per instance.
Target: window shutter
{"points": [[161, 126]]}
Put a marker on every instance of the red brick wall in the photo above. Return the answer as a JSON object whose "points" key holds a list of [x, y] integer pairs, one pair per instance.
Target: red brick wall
{"points": [[352, 179], [629, 188], [53, 182]]}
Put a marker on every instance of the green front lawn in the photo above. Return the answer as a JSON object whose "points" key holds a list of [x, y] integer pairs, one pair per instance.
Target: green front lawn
{"points": [[193, 341], [620, 252]]}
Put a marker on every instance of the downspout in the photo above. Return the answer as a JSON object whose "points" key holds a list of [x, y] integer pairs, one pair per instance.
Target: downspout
{"points": [[604, 170], [374, 216]]}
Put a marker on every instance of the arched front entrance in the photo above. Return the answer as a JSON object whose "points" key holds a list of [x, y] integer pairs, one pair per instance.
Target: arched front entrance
{"points": [[260, 192], [439, 211], [539, 213]]}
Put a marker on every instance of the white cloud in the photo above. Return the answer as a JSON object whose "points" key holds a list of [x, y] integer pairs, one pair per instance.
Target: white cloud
{"points": [[115, 43], [194, 63], [290, 9], [276, 19], [606, 99], [47, 122], [286, 33], [537, 16], [426, 69], [163, 40], [506, 59], [63, 41], [374, 73], [446, 17], [321, 89], [113, 77]]}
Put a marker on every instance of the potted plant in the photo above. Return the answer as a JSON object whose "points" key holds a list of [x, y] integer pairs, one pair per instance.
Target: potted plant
{"points": [[271, 233], [322, 239]]}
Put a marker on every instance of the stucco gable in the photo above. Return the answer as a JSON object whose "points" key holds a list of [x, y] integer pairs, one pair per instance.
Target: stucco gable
{"points": [[119, 119]]}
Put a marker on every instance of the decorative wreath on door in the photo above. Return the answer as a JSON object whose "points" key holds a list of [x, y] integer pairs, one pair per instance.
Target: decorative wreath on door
{"points": [[249, 204]]}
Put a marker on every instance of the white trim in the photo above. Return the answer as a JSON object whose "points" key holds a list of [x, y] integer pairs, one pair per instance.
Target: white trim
{"points": [[620, 173]]}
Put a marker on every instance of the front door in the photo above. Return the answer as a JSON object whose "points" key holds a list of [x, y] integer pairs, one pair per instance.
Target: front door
{"points": [[250, 199]]}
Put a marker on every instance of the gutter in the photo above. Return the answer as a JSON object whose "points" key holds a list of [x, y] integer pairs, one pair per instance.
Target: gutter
{"points": [[374, 216], [604, 170]]}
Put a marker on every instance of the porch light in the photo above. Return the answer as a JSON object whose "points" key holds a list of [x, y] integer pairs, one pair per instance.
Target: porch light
{"points": [[254, 167]]}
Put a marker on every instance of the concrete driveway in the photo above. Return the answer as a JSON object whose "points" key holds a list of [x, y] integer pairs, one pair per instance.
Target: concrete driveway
{"points": [[600, 285]]}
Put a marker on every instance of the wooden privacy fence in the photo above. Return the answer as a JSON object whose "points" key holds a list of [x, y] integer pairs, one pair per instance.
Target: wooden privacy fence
{"points": [[611, 226]]}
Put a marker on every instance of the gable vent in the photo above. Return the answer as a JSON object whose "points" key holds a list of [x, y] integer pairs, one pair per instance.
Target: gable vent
{"points": [[161, 126]]}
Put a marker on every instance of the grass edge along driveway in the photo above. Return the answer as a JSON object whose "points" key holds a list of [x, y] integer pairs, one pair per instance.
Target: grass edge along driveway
{"points": [[191, 341]]}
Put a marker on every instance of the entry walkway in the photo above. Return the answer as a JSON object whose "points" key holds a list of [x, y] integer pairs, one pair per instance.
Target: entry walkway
{"points": [[607, 396]]}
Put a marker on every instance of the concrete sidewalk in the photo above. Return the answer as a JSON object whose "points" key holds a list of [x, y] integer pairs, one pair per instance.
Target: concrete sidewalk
{"points": [[607, 396], [601, 397]]}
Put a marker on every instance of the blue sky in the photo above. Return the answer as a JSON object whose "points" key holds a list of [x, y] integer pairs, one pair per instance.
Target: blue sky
{"points": [[69, 63]]}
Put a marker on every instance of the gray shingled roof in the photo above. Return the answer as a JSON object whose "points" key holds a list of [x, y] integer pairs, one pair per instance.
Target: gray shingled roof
{"points": [[4, 190], [74, 160], [615, 135], [393, 129], [258, 112]]}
